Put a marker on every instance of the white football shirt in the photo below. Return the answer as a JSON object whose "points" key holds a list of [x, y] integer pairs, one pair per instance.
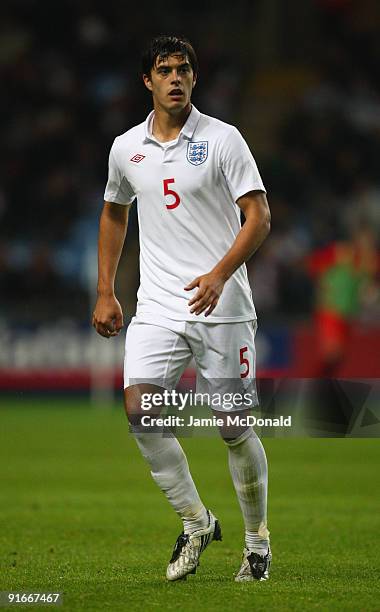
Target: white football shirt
{"points": [[188, 219]]}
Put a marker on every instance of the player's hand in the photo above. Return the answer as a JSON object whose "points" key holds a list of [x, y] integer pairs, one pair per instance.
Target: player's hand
{"points": [[210, 287], [108, 316]]}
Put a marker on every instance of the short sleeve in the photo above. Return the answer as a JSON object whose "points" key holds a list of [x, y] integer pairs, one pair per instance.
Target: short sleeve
{"points": [[239, 167], [118, 189]]}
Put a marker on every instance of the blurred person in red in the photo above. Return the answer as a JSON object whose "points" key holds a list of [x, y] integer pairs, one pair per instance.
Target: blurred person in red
{"points": [[344, 274]]}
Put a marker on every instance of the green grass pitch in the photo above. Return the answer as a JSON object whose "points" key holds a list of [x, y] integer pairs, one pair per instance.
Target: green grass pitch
{"points": [[81, 515]]}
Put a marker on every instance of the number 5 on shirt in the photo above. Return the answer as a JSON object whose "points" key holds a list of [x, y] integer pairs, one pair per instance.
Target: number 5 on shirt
{"points": [[171, 192]]}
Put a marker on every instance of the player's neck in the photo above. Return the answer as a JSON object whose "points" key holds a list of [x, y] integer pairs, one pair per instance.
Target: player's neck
{"points": [[166, 126]]}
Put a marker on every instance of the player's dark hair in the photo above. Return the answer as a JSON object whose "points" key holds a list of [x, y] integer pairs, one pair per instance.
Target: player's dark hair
{"points": [[163, 46]]}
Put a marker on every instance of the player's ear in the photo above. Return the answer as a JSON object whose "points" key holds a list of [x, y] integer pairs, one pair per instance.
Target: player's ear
{"points": [[194, 80], [147, 81]]}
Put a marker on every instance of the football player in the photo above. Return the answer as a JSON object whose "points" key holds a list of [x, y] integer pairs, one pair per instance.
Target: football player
{"points": [[191, 176]]}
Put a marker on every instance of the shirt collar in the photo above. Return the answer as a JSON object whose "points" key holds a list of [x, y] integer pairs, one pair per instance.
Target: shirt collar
{"points": [[187, 130]]}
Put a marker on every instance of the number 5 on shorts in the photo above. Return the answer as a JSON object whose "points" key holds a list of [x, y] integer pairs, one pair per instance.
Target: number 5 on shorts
{"points": [[244, 362]]}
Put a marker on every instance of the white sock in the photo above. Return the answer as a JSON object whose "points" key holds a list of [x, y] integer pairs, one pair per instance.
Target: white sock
{"points": [[255, 543], [170, 470], [249, 471]]}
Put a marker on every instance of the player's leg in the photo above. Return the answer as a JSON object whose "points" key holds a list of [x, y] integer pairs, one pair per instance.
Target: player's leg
{"points": [[155, 357], [249, 471], [168, 464], [225, 356]]}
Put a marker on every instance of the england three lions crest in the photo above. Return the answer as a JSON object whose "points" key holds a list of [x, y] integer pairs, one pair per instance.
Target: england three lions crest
{"points": [[197, 152]]}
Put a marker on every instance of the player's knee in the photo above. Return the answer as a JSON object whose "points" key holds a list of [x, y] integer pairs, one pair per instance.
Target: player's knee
{"points": [[237, 437], [132, 402], [233, 431], [138, 402]]}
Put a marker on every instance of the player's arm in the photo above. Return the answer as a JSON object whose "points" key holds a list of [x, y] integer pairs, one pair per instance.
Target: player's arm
{"points": [[253, 233], [108, 317]]}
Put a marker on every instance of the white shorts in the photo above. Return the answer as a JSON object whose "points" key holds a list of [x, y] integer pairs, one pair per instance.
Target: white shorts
{"points": [[224, 355]]}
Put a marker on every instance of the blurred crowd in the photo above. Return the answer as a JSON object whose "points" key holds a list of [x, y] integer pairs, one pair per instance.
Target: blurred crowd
{"points": [[71, 83], [323, 178]]}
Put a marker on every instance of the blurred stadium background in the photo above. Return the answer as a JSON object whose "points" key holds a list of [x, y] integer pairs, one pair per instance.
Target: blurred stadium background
{"points": [[301, 81]]}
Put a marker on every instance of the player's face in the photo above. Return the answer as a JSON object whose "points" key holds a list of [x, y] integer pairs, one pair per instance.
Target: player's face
{"points": [[171, 82]]}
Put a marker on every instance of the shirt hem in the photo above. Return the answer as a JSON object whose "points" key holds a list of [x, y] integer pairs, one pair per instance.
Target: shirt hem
{"points": [[194, 319]]}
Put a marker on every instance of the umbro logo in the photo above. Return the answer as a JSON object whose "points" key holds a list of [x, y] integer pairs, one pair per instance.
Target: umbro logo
{"points": [[137, 158]]}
